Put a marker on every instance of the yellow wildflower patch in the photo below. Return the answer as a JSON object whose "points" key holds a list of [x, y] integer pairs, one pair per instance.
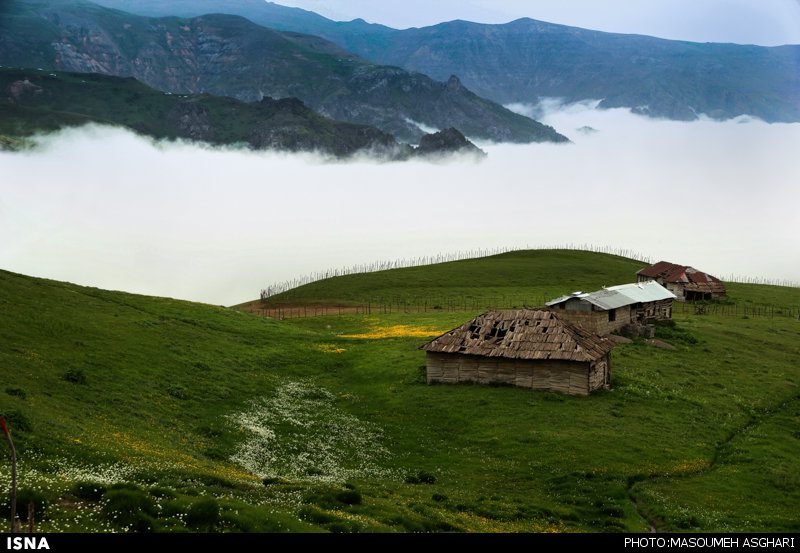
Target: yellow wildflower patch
{"points": [[330, 348], [31, 355], [689, 467], [476, 523], [396, 331]]}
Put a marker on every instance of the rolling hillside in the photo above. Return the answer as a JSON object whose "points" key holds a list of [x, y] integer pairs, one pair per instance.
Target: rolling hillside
{"points": [[172, 415]]}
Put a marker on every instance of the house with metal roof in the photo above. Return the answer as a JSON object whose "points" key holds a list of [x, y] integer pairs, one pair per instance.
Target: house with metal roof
{"points": [[612, 308], [530, 348], [687, 283]]}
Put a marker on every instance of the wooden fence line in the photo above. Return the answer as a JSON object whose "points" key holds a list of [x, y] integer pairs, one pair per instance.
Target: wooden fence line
{"points": [[465, 304], [422, 261]]}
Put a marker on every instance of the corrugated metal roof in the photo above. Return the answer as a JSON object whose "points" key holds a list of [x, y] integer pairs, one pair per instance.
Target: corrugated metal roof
{"points": [[644, 291], [609, 299], [567, 297], [614, 297]]}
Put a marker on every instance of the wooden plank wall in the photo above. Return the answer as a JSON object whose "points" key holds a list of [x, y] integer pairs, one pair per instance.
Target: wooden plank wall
{"points": [[599, 373], [568, 377], [658, 310]]}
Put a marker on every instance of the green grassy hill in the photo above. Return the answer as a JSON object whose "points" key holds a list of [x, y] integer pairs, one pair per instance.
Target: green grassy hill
{"points": [[140, 413], [527, 277], [523, 277]]}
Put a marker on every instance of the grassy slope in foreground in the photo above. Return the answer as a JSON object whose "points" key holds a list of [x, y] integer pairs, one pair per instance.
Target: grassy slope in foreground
{"points": [[163, 377]]}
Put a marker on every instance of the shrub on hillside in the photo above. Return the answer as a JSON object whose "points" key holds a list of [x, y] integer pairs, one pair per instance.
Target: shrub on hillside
{"points": [[178, 392], [17, 421], [334, 498], [162, 493], [203, 514], [132, 509], [90, 491], [421, 477], [75, 376], [349, 497], [24, 497]]}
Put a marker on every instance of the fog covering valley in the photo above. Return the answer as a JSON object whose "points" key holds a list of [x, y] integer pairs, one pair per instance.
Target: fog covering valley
{"points": [[103, 207]]}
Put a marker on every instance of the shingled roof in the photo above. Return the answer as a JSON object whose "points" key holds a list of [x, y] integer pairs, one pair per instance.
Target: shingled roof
{"points": [[671, 272], [522, 334]]}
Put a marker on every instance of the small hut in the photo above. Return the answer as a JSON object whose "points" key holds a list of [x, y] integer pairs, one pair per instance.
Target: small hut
{"points": [[687, 283], [530, 348], [616, 307]]}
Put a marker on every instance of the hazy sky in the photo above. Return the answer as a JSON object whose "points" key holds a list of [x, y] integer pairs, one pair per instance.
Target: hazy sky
{"points": [[766, 22], [105, 208]]}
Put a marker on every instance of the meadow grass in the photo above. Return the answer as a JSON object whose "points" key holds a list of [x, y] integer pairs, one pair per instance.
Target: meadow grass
{"points": [[519, 276], [327, 424]]}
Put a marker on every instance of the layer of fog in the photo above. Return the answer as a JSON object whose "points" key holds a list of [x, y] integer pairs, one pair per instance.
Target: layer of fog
{"points": [[106, 208]]}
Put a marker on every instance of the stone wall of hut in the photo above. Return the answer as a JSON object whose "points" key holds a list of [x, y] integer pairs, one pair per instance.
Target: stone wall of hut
{"points": [[598, 321], [676, 288], [568, 377]]}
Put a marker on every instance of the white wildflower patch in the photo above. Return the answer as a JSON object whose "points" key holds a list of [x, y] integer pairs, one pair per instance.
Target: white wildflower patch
{"points": [[61, 471], [300, 434], [106, 473]]}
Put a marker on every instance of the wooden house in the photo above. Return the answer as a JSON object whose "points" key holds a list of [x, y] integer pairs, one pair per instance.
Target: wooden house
{"points": [[531, 348], [687, 283], [610, 309]]}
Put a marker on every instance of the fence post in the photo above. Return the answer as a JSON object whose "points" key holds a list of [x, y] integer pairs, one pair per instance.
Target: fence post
{"points": [[31, 522], [7, 435]]}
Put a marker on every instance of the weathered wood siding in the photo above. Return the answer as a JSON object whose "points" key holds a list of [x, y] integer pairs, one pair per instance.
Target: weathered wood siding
{"points": [[600, 374], [654, 310], [568, 377]]}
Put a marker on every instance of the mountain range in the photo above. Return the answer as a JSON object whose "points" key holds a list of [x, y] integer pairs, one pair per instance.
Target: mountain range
{"points": [[48, 101], [228, 55], [525, 60], [38, 101]]}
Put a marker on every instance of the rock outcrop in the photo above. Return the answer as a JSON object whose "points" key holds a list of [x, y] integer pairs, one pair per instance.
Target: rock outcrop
{"points": [[448, 141]]}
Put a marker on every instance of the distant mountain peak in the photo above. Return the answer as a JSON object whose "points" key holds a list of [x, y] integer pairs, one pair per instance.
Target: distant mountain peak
{"points": [[454, 83], [447, 141]]}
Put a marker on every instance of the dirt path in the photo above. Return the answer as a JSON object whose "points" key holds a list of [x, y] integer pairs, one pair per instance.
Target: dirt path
{"points": [[753, 421]]}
